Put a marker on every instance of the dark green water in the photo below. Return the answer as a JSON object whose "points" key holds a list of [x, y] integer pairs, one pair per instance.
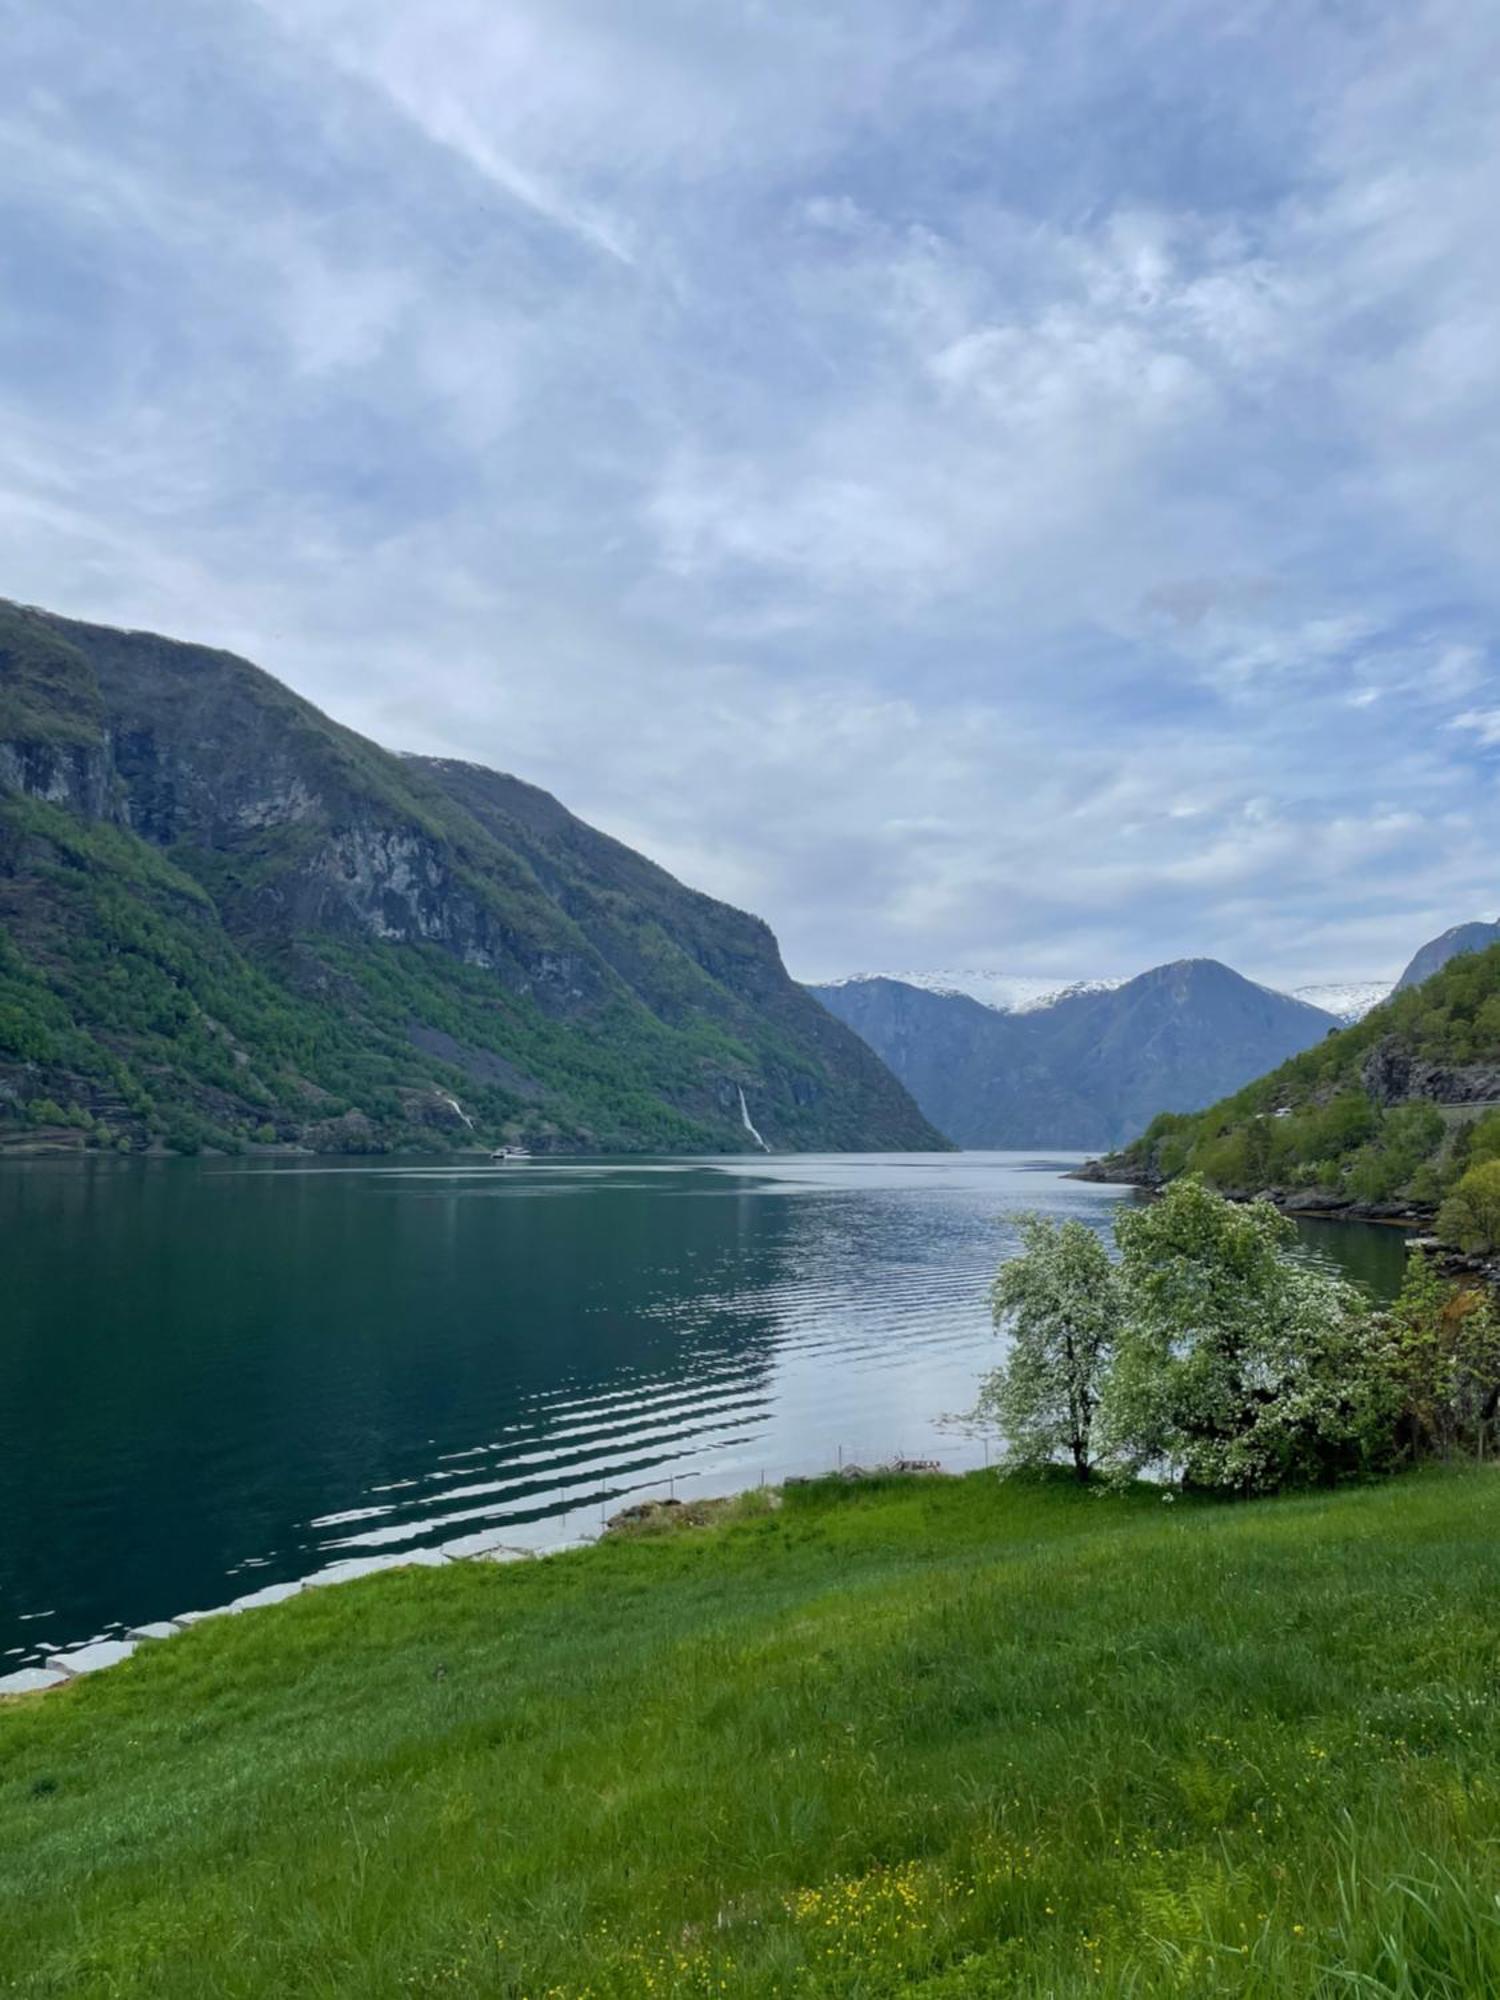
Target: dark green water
{"points": [[216, 1375]]}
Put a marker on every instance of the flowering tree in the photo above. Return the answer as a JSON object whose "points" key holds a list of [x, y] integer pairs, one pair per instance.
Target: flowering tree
{"points": [[1238, 1368], [1059, 1302]]}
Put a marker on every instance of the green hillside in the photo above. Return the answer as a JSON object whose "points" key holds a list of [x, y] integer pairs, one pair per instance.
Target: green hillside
{"points": [[1392, 1111], [226, 920], [947, 1738]]}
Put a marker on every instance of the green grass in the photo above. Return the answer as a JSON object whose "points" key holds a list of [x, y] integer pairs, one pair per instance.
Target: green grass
{"points": [[952, 1738]]}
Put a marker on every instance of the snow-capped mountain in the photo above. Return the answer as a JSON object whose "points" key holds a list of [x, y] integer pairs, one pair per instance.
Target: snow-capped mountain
{"points": [[1022, 993], [1001, 1061], [1006, 992]]}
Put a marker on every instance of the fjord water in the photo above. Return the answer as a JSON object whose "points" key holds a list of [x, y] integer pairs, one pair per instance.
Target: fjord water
{"points": [[217, 1374]]}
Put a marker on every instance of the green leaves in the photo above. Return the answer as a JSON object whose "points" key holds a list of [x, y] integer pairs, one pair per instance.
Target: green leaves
{"points": [[1240, 1369], [1208, 1353], [1470, 1217]]}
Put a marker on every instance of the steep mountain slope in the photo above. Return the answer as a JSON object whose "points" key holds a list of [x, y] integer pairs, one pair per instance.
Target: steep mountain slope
{"points": [[1452, 944], [1088, 1070], [1388, 1111], [223, 916], [959, 1059]]}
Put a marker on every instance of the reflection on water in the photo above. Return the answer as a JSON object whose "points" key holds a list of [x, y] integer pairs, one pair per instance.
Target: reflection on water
{"points": [[215, 1375]]}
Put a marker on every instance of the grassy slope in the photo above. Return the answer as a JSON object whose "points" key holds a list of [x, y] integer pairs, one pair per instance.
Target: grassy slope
{"points": [[934, 1737], [1336, 1136]]}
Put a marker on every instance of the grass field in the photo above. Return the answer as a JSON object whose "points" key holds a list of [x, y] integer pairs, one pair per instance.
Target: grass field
{"points": [[948, 1737]]}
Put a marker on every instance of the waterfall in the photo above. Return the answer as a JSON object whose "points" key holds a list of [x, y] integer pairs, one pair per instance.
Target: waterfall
{"points": [[460, 1110], [745, 1121]]}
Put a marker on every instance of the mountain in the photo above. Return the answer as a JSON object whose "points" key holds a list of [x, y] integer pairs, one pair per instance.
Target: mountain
{"points": [[1021, 993], [1007, 993], [1090, 1068], [1452, 944], [225, 918], [1387, 1112]]}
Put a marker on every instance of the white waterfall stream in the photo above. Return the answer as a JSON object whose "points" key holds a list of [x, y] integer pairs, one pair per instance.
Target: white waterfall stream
{"points": [[745, 1121]]}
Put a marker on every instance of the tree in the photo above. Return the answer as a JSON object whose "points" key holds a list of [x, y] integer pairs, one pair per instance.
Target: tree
{"points": [[1484, 1137], [1445, 1354], [1470, 1217], [1059, 1302], [1409, 1136], [1237, 1367]]}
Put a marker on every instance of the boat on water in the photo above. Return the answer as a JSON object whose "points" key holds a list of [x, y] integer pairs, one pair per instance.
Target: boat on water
{"points": [[510, 1153]]}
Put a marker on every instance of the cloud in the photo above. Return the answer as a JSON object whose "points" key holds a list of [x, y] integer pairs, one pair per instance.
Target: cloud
{"points": [[1481, 722], [979, 488]]}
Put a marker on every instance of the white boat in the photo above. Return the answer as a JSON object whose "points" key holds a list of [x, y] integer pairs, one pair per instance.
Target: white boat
{"points": [[510, 1153]]}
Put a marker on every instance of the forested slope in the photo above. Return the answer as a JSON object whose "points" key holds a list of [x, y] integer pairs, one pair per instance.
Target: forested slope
{"points": [[224, 919]]}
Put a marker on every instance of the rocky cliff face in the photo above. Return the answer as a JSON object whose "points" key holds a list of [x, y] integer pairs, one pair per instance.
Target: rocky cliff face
{"points": [[221, 911], [1089, 1071], [1392, 1073]]}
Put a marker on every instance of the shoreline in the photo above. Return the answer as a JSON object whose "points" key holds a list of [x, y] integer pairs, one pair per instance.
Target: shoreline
{"points": [[91, 1656], [1323, 1205], [638, 1519], [1310, 1204]]}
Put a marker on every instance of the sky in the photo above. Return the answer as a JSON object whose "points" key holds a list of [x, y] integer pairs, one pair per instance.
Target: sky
{"points": [[990, 485]]}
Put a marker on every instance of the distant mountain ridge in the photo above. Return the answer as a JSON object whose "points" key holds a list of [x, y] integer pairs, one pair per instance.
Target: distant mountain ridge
{"points": [[1088, 1069], [1022, 993], [1007, 993], [225, 919]]}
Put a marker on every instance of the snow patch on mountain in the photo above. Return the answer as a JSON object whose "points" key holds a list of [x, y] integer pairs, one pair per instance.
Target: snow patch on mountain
{"points": [[1349, 999], [1007, 993]]}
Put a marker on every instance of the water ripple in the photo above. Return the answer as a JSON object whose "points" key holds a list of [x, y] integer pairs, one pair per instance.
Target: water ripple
{"points": [[219, 1368]]}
